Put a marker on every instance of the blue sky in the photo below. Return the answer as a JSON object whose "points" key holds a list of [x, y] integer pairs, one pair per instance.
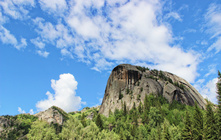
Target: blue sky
{"points": [[61, 52]]}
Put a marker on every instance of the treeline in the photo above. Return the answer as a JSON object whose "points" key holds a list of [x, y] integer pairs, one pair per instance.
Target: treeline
{"points": [[155, 119]]}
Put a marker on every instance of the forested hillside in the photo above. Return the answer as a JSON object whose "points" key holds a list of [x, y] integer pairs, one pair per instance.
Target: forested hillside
{"points": [[155, 119]]}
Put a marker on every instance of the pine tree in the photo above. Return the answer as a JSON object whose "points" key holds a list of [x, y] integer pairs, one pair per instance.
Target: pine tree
{"points": [[166, 134], [218, 114], [187, 131], [83, 119], [210, 129], [159, 135], [197, 123], [99, 122]]}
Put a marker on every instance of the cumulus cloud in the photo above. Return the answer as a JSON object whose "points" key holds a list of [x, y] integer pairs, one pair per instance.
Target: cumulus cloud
{"points": [[207, 90], [64, 94], [213, 19], [105, 34]]}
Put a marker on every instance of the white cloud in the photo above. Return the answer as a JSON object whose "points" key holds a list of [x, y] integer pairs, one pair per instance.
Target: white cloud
{"points": [[38, 43], [17, 9], [20, 110], [216, 45], [213, 19], [131, 32], [31, 111], [55, 34], [53, 6], [212, 70], [43, 53], [23, 44], [65, 94], [23, 111], [174, 15], [207, 90], [2, 18], [6, 37]]}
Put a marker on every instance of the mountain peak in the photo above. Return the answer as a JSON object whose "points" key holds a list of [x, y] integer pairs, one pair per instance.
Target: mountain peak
{"points": [[130, 84]]}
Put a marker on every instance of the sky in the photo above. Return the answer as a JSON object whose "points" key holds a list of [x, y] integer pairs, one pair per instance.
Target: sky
{"points": [[61, 52]]}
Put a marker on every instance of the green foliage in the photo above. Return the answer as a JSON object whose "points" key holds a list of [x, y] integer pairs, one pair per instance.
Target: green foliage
{"points": [[210, 123], [197, 123], [181, 86], [127, 91], [154, 119], [65, 115], [187, 130], [41, 130], [218, 114], [142, 69], [99, 122]]}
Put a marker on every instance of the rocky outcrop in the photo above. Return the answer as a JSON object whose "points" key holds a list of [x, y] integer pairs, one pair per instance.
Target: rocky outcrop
{"points": [[52, 115], [128, 83]]}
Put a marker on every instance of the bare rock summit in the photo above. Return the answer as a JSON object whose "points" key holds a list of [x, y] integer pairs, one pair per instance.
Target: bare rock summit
{"points": [[53, 115], [129, 84]]}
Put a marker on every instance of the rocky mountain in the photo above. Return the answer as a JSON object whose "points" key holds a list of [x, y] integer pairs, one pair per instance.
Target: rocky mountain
{"points": [[53, 115], [130, 84]]}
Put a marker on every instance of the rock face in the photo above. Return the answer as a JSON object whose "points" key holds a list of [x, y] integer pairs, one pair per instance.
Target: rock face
{"points": [[52, 115], [130, 84]]}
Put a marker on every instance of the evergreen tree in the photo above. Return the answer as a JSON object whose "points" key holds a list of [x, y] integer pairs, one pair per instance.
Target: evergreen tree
{"points": [[210, 129], [159, 135], [166, 133], [218, 114], [83, 119], [197, 123], [99, 122], [187, 131]]}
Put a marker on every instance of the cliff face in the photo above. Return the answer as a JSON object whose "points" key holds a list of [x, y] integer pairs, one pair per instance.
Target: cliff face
{"points": [[130, 84]]}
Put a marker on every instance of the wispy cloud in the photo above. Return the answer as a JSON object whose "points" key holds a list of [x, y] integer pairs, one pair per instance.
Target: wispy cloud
{"points": [[17, 9], [207, 90], [64, 96], [174, 15], [213, 19], [104, 34], [7, 38], [212, 70]]}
